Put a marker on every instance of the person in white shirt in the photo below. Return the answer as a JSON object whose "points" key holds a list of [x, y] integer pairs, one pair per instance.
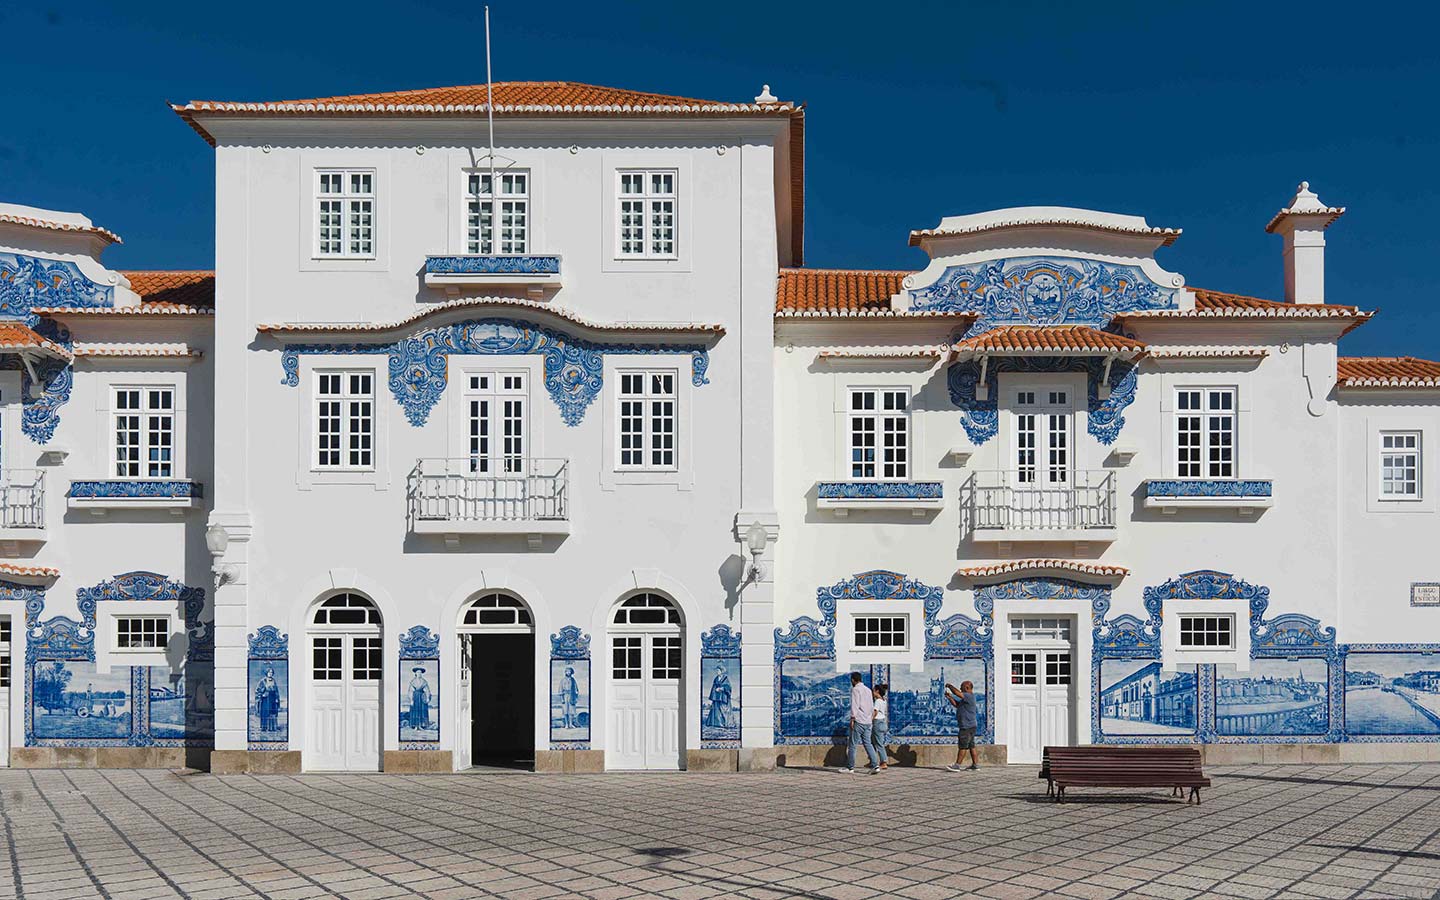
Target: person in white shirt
{"points": [[880, 730], [862, 717]]}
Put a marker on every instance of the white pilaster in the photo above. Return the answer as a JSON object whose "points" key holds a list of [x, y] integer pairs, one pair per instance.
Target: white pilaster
{"points": [[757, 635]]}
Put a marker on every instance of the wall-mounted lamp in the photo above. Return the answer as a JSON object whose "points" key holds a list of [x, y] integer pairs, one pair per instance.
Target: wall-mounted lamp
{"points": [[217, 539], [755, 539]]}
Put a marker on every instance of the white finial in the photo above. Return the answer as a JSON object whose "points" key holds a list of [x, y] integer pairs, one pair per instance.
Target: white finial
{"points": [[766, 96]]}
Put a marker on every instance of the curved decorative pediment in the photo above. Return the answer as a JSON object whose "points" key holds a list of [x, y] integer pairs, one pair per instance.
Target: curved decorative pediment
{"points": [[720, 641], [1036, 589], [805, 638], [879, 584], [570, 643], [1042, 290], [419, 643], [981, 418], [268, 643], [419, 363]]}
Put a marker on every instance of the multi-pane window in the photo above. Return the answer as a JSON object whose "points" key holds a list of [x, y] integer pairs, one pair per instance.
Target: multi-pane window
{"points": [[1042, 437], [1023, 668], [646, 214], [513, 237], [327, 659], [4, 653], [1207, 632], [345, 213], [880, 434], [344, 420], [142, 633], [665, 658], [875, 632], [1205, 433], [1400, 465], [1057, 668], [496, 405], [144, 427], [626, 654], [1039, 629], [367, 660], [647, 414]]}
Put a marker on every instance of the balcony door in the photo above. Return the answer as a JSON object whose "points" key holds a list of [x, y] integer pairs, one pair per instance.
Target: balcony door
{"points": [[1042, 467], [497, 410]]}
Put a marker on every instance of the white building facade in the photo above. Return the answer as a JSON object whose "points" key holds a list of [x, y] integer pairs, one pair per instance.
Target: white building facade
{"points": [[556, 456]]}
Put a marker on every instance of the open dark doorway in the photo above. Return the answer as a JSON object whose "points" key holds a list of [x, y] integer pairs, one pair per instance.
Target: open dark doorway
{"points": [[502, 700]]}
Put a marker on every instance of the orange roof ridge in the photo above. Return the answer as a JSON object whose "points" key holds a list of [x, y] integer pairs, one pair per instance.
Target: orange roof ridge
{"points": [[1027, 339], [1011, 566], [1387, 371]]}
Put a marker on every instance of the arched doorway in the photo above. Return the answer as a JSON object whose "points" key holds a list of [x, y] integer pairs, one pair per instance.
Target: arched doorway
{"points": [[496, 727], [645, 723], [343, 725]]}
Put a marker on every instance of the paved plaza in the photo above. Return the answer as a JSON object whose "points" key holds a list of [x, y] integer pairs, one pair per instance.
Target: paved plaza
{"points": [[1263, 831]]}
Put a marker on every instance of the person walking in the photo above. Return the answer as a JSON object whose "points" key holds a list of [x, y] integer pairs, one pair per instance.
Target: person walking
{"points": [[967, 713], [880, 729], [862, 717]]}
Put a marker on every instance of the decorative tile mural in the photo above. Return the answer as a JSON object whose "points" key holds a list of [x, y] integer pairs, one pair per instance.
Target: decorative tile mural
{"points": [[1040, 290], [574, 368], [1392, 692], [719, 688], [269, 694], [419, 689], [570, 689], [1277, 697], [812, 700], [70, 703], [981, 418], [1138, 698]]}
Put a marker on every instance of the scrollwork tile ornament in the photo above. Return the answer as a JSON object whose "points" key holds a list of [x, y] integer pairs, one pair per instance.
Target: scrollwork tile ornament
{"points": [[266, 642], [492, 265], [156, 489], [879, 490], [418, 365], [570, 643], [981, 418], [30, 281], [720, 641], [1219, 488], [1042, 291], [419, 643]]}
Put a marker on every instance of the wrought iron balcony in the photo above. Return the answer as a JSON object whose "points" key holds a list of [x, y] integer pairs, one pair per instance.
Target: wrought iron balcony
{"points": [[453, 271], [495, 495], [1016, 505], [22, 505]]}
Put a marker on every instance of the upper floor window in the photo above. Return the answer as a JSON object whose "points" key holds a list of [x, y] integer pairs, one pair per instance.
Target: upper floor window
{"points": [[880, 434], [514, 233], [496, 407], [880, 632], [143, 420], [1207, 632], [1400, 465], [344, 420], [345, 213], [142, 632], [645, 217], [647, 413], [1205, 432]]}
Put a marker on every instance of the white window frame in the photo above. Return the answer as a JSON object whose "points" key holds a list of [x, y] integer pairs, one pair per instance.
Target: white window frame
{"points": [[884, 426], [1382, 453], [649, 399], [1227, 618], [886, 625], [473, 204], [351, 202], [1173, 655], [1205, 431], [848, 654], [347, 398], [147, 431], [166, 626], [651, 201]]}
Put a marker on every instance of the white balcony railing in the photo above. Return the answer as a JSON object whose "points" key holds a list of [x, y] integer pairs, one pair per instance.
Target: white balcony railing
{"points": [[1015, 503], [465, 494], [22, 499]]}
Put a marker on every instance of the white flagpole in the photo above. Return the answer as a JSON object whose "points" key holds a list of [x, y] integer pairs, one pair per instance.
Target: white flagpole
{"points": [[490, 116]]}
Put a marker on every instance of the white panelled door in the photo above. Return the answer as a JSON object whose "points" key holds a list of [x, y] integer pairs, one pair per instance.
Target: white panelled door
{"points": [[1039, 706], [4, 692], [343, 726], [645, 724]]}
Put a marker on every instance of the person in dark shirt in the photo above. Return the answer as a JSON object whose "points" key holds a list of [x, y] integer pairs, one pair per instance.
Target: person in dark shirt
{"points": [[967, 712]]}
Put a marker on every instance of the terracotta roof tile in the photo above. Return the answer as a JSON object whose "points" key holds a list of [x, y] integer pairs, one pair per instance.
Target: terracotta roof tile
{"points": [[15, 336], [34, 573], [830, 290], [1049, 339], [1388, 371], [1011, 566], [176, 288]]}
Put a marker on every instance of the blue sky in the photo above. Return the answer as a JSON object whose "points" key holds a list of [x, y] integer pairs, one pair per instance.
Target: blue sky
{"points": [[1198, 116]]}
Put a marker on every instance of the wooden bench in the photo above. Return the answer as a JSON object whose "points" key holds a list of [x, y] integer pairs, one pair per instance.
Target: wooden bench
{"points": [[1104, 766]]}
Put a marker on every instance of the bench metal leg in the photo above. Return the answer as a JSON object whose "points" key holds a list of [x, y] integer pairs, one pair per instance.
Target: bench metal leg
{"points": [[1195, 794]]}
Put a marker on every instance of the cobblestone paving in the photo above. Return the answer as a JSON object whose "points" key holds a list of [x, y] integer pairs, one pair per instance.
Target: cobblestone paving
{"points": [[1324, 831]]}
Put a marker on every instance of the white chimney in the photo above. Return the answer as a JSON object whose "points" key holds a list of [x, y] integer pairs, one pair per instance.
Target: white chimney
{"points": [[1302, 224]]}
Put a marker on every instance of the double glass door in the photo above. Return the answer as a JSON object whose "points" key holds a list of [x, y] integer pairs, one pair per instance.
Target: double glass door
{"points": [[645, 693], [343, 731]]}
